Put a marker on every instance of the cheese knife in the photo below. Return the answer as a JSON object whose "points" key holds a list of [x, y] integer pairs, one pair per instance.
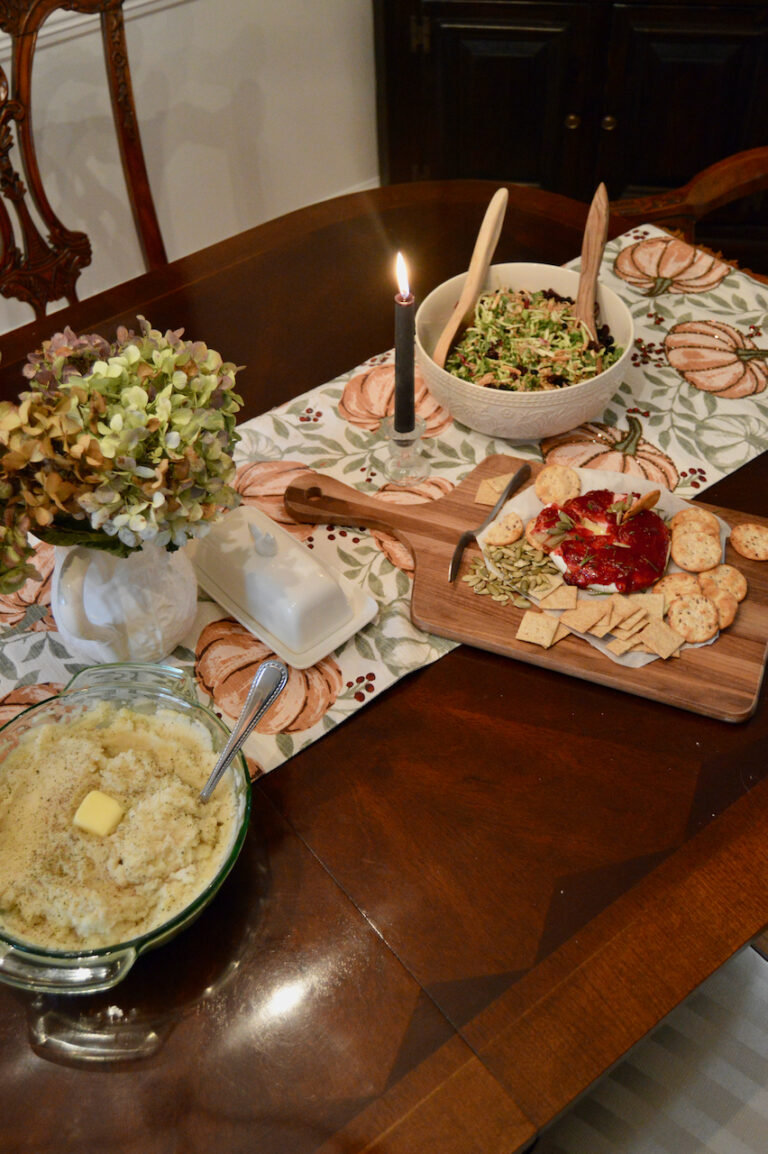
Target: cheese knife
{"points": [[514, 483]]}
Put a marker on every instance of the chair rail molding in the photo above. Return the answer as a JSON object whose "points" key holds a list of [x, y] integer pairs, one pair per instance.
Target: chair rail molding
{"points": [[61, 27]]}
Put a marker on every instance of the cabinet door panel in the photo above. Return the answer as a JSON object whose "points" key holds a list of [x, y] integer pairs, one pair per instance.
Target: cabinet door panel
{"points": [[498, 90], [685, 88]]}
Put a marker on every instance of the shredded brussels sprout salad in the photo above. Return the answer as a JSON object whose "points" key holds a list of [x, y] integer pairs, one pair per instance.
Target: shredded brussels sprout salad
{"points": [[526, 342]]}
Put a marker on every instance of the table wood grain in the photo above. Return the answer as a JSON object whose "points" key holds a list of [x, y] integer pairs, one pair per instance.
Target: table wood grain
{"points": [[456, 910]]}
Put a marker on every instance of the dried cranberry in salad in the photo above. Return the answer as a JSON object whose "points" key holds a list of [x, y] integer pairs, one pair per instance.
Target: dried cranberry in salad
{"points": [[525, 342]]}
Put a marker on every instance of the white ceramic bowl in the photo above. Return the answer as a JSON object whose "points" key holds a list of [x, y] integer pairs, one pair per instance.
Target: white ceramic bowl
{"points": [[521, 416]]}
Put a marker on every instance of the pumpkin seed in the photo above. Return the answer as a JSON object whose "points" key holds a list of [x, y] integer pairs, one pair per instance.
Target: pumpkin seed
{"points": [[523, 570]]}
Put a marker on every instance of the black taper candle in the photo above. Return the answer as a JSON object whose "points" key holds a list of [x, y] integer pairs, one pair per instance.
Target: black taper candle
{"points": [[405, 313]]}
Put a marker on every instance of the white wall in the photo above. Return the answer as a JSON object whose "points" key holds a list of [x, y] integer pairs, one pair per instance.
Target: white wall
{"points": [[248, 109]]}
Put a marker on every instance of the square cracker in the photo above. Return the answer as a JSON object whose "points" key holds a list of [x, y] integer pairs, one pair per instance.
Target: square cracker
{"points": [[561, 632], [652, 603], [538, 628], [635, 626], [562, 597], [661, 639], [604, 624], [638, 615], [622, 607], [608, 620], [620, 645], [584, 616], [490, 489], [549, 582]]}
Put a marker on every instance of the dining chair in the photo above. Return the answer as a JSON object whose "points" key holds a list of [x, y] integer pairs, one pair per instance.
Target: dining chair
{"points": [[37, 268], [679, 209]]}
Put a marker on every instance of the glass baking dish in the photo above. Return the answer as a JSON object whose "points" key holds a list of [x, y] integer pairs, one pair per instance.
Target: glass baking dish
{"points": [[142, 688]]}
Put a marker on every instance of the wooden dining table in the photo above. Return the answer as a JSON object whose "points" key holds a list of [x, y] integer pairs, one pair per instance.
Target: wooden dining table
{"points": [[457, 910]]}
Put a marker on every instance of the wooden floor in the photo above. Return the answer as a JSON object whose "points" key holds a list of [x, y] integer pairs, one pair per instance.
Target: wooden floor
{"points": [[697, 1085], [761, 945]]}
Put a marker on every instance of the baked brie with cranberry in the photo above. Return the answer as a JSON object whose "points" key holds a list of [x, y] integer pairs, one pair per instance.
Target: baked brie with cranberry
{"points": [[604, 541]]}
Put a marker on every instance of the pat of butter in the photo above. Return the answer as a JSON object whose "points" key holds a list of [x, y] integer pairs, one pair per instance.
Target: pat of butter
{"points": [[98, 813]]}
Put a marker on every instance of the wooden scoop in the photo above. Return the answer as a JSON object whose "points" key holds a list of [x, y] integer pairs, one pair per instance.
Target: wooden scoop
{"points": [[595, 236], [482, 254]]}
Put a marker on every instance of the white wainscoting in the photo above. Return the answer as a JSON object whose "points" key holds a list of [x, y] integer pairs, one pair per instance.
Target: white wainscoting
{"points": [[248, 109]]}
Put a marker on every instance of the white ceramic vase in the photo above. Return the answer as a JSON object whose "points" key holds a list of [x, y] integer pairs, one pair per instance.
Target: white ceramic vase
{"points": [[135, 608]]}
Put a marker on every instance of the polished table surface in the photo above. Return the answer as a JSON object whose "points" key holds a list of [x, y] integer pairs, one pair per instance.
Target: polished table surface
{"points": [[457, 910]]}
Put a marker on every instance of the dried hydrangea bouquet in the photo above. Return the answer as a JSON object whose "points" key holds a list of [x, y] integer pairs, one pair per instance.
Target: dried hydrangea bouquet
{"points": [[117, 453]]}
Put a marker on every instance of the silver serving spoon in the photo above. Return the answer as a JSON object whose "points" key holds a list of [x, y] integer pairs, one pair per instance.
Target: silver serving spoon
{"points": [[268, 683], [480, 261]]}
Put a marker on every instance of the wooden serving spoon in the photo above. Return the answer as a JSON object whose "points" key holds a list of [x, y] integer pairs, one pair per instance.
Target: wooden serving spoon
{"points": [[595, 236], [482, 254]]}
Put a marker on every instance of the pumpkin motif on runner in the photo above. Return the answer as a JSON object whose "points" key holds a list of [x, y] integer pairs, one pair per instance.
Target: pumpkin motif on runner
{"points": [[392, 548], [716, 358], [14, 607], [226, 658], [661, 264], [599, 446], [263, 484], [23, 696], [369, 396]]}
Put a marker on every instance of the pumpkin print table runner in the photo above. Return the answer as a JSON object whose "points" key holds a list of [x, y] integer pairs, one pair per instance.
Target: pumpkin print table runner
{"points": [[692, 408]]}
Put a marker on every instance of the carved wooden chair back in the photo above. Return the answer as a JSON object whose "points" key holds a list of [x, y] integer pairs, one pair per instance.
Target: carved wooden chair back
{"points": [[722, 183], [40, 269]]}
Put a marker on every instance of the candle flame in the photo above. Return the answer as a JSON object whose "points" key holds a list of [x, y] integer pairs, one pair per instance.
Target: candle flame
{"points": [[402, 276]]}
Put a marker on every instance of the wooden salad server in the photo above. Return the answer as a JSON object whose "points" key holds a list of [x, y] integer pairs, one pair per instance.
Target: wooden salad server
{"points": [[482, 255], [595, 236]]}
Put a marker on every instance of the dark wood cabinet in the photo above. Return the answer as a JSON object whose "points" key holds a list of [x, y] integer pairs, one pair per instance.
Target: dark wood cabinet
{"points": [[490, 90], [564, 95], [685, 87]]}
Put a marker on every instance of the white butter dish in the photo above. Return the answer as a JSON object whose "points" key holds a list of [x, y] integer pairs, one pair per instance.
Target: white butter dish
{"points": [[273, 585]]}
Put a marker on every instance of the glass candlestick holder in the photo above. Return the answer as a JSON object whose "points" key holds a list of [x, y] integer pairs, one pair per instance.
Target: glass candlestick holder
{"points": [[406, 463]]}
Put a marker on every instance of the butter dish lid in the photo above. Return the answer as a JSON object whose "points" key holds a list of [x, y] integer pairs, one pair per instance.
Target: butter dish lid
{"points": [[273, 585]]}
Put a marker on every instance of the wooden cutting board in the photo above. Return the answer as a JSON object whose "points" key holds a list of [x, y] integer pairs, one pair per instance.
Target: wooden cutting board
{"points": [[721, 680]]}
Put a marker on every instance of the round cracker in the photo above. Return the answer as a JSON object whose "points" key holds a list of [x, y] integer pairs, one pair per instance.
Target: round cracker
{"points": [[693, 518], [540, 541], [725, 604], [694, 617], [695, 550], [505, 530], [557, 484], [751, 540], [675, 584], [726, 577]]}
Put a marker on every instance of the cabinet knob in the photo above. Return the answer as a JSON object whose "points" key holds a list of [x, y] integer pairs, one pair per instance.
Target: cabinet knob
{"points": [[608, 123], [572, 120]]}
